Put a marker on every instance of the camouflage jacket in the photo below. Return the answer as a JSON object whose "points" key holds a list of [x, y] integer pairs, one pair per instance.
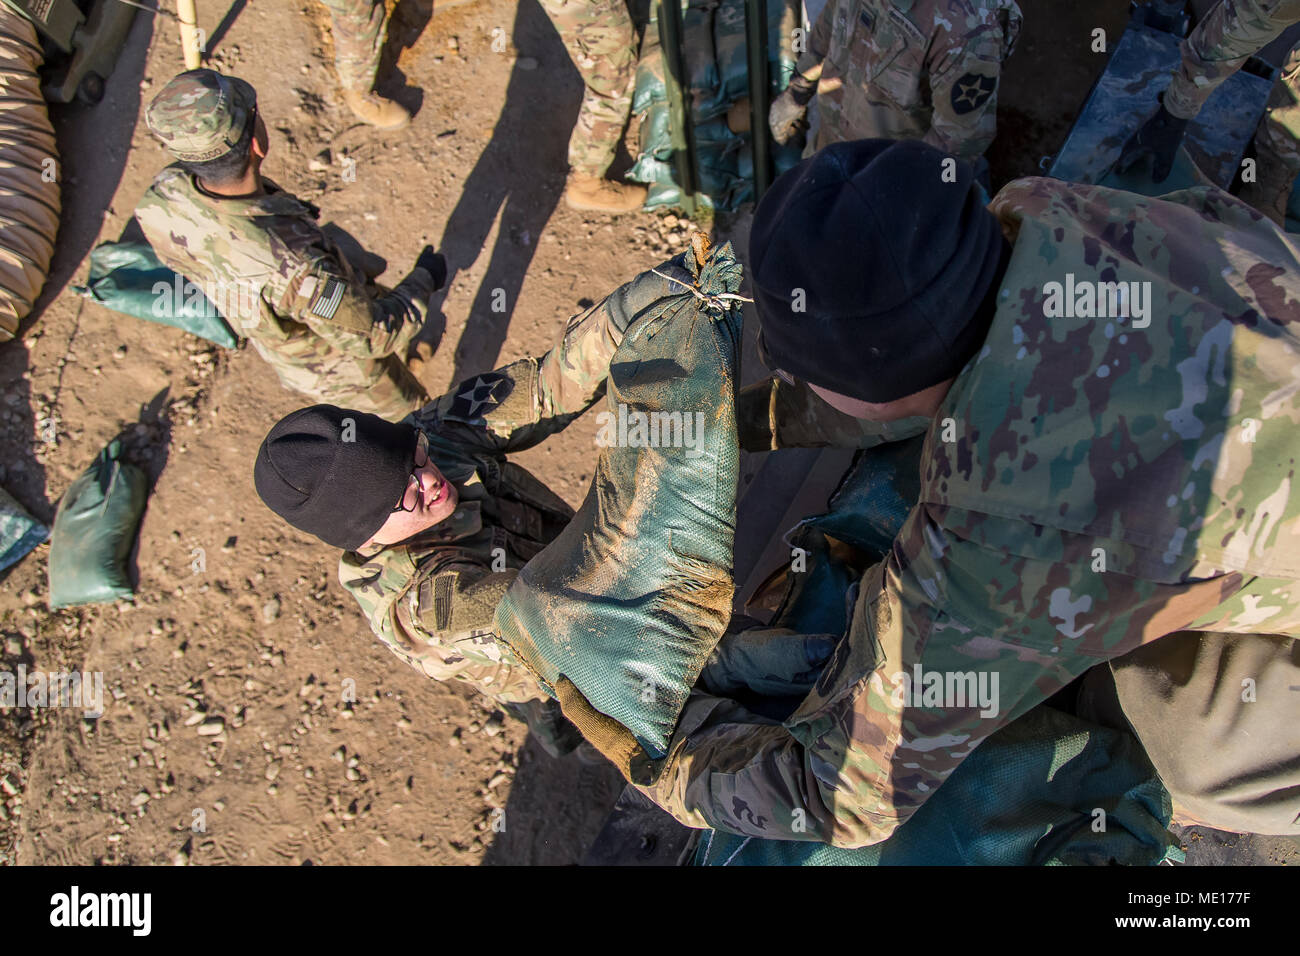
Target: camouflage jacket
{"points": [[911, 69], [1230, 34], [431, 599], [1089, 484], [279, 280]]}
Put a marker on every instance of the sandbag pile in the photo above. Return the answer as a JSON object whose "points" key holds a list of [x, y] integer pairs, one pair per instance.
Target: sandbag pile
{"points": [[618, 615], [29, 173], [717, 78]]}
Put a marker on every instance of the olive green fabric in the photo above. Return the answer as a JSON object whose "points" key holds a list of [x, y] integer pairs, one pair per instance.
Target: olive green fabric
{"points": [[128, 277], [634, 594], [94, 529]]}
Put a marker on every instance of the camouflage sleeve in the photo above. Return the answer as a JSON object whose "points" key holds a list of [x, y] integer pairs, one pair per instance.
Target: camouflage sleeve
{"points": [[1229, 35], [441, 622], [520, 404], [949, 641], [774, 414], [325, 295], [965, 70]]}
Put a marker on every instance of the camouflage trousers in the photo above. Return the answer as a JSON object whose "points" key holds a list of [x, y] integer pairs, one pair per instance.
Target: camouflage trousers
{"points": [[602, 43], [1277, 144], [358, 40]]}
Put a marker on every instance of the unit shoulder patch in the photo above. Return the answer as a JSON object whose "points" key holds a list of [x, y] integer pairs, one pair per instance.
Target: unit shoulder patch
{"points": [[971, 92]]}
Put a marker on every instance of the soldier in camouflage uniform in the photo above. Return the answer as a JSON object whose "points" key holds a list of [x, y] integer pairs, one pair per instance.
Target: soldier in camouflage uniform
{"points": [[1091, 484], [1230, 34], [430, 552], [358, 28], [902, 69], [602, 43], [316, 317]]}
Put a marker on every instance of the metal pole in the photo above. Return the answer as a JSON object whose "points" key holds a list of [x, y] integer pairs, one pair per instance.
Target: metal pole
{"points": [[760, 136], [681, 129]]}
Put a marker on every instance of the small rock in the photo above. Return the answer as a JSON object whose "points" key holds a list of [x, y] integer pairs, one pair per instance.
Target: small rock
{"points": [[210, 728], [140, 799], [271, 610]]}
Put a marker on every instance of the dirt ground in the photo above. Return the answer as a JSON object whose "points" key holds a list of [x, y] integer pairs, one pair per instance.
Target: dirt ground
{"points": [[258, 646]]}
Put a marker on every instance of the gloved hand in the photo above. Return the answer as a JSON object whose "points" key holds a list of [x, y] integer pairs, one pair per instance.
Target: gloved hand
{"points": [[1158, 138], [787, 117], [435, 264], [771, 661]]}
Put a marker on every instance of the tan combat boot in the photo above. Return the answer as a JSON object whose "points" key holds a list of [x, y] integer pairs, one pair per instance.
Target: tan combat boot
{"points": [[374, 110], [587, 193]]}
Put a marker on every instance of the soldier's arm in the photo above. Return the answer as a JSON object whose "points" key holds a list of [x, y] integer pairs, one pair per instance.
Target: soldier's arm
{"points": [[1229, 35], [809, 64], [441, 625], [965, 70], [324, 295], [774, 414], [520, 404], [868, 747]]}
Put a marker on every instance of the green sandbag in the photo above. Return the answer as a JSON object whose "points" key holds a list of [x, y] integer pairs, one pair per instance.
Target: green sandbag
{"points": [[632, 597], [19, 531], [732, 55], [128, 277], [94, 529], [650, 86]]}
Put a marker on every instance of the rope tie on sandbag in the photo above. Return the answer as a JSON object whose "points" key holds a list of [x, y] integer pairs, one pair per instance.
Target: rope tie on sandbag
{"points": [[717, 302]]}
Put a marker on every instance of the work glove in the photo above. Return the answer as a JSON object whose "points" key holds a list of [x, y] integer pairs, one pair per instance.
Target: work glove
{"points": [[435, 264], [787, 117], [1158, 138], [770, 661]]}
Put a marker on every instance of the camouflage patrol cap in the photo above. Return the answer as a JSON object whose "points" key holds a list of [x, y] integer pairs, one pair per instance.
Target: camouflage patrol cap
{"points": [[201, 114]]}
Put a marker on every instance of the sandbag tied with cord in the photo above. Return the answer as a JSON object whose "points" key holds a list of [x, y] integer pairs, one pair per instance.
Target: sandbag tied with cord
{"points": [[618, 615]]}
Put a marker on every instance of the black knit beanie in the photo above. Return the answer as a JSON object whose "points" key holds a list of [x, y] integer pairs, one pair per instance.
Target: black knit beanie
{"points": [[873, 276], [335, 473]]}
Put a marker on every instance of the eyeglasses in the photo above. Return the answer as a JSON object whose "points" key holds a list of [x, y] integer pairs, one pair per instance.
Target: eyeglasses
{"points": [[767, 361], [411, 494]]}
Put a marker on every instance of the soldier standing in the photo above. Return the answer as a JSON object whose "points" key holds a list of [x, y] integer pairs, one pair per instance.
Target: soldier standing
{"points": [[1108, 385], [902, 69], [257, 251], [1230, 34], [358, 29], [602, 43]]}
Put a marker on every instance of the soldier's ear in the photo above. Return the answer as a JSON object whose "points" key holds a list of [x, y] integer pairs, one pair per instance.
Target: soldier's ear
{"points": [[261, 140]]}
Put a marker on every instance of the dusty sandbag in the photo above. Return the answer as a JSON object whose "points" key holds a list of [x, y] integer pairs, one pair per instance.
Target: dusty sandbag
{"points": [[19, 531], [632, 597], [94, 530], [128, 277], [29, 173]]}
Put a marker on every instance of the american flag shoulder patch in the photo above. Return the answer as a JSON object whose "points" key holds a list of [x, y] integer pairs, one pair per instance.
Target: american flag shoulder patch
{"points": [[328, 296]]}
